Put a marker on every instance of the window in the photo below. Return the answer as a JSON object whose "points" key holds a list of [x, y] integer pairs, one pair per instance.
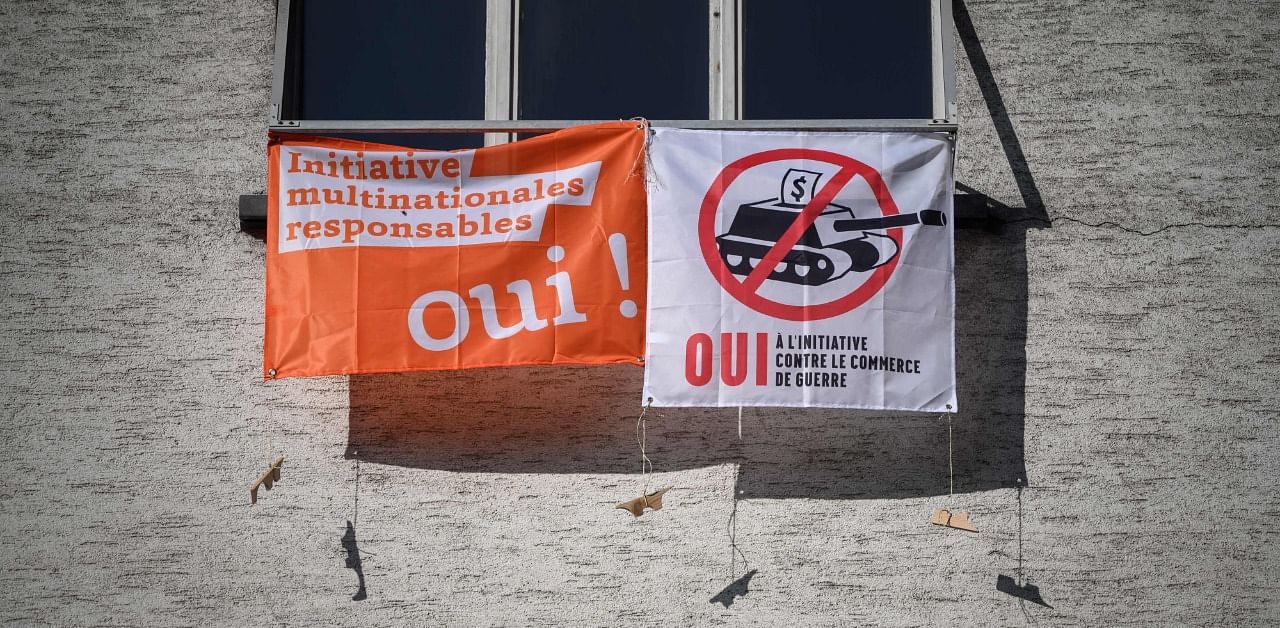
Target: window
{"points": [[592, 60], [384, 68], [387, 61], [844, 60]]}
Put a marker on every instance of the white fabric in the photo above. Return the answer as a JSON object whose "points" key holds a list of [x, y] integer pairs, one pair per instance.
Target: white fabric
{"points": [[862, 357]]}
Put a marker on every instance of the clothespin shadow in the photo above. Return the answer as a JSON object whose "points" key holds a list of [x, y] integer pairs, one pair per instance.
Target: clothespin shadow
{"points": [[267, 479], [952, 519], [353, 561], [736, 589], [652, 501], [1028, 591]]}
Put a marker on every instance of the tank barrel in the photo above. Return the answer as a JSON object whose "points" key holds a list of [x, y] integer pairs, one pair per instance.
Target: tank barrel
{"points": [[933, 217], [927, 217]]}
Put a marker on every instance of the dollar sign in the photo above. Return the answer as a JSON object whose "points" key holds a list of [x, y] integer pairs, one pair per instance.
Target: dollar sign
{"points": [[799, 193]]}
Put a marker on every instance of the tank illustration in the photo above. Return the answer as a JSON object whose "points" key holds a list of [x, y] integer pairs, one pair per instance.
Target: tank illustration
{"points": [[837, 243]]}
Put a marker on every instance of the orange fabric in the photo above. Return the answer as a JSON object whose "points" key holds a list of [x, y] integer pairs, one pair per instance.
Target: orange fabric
{"points": [[348, 308]]}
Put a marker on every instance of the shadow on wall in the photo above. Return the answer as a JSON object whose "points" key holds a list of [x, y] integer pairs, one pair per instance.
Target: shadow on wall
{"points": [[582, 419]]}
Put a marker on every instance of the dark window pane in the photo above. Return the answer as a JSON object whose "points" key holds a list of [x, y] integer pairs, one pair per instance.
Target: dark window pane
{"points": [[837, 59], [589, 59], [389, 59]]}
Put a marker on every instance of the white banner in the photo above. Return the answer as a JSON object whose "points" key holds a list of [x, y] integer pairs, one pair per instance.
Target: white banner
{"points": [[801, 269]]}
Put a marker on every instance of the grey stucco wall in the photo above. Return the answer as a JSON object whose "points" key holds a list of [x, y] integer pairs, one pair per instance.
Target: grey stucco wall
{"points": [[1121, 360]]}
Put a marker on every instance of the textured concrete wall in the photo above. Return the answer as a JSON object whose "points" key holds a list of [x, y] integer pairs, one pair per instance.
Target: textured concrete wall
{"points": [[1121, 358]]}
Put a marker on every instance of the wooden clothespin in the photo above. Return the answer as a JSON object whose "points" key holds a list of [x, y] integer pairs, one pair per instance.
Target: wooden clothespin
{"points": [[652, 501], [946, 518], [270, 476]]}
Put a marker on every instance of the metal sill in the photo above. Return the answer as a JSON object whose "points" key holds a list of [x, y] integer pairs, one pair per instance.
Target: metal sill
{"points": [[320, 127]]}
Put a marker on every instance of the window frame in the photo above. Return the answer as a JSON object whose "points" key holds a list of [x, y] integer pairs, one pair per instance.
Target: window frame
{"points": [[502, 76]]}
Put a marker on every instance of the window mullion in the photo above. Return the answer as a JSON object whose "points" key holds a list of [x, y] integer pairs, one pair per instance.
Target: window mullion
{"points": [[947, 50], [499, 65], [722, 74], [939, 94]]}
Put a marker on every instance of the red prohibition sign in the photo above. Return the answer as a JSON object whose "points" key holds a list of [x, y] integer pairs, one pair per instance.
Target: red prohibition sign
{"points": [[747, 290]]}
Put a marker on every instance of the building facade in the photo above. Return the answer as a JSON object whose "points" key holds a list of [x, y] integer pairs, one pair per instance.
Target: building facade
{"points": [[1117, 348]]}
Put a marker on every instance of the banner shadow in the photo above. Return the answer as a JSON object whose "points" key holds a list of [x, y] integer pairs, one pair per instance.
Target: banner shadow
{"points": [[576, 419]]}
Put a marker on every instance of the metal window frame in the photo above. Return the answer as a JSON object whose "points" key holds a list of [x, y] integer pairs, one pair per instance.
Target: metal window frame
{"points": [[502, 75]]}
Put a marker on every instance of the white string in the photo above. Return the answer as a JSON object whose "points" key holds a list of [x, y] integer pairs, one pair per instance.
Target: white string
{"points": [[739, 422], [650, 174], [646, 465], [951, 469]]}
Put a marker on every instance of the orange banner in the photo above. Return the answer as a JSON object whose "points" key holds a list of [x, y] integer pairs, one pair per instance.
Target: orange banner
{"points": [[382, 258]]}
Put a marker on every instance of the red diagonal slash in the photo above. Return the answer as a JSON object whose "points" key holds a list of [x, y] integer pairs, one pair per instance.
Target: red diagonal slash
{"points": [[849, 167], [792, 235]]}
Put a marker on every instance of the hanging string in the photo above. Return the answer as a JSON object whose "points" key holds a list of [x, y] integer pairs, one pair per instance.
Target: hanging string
{"points": [[646, 465], [951, 468], [642, 156], [650, 174], [739, 422]]}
